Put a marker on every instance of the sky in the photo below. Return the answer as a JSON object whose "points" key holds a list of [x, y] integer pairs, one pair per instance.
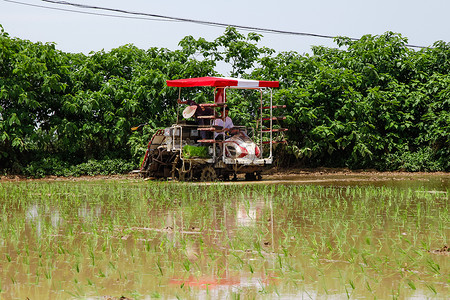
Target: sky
{"points": [[422, 22]]}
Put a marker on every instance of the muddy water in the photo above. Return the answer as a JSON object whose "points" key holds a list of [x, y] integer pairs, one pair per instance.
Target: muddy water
{"points": [[293, 237]]}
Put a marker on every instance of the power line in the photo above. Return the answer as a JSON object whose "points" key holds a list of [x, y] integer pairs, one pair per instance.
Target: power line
{"points": [[208, 23], [201, 22], [157, 17], [84, 12]]}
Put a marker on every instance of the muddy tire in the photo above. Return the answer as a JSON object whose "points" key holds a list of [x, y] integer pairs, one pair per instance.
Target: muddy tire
{"points": [[159, 164], [208, 174], [184, 176], [151, 164], [179, 172]]}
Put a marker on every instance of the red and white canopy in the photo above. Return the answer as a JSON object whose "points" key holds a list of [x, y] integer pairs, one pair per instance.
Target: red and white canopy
{"points": [[221, 82]]}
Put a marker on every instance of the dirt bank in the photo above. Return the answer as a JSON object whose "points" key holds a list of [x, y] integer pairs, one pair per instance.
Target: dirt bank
{"points": [[273, 174]]}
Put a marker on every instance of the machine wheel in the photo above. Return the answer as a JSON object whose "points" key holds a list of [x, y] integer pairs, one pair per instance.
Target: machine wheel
{"points": [[208, 174], [179, 171], [184, 176], [153, 164]]}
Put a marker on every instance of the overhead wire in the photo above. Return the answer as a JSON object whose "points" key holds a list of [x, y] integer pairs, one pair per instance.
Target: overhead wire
{"points": [[158, 17], [201, 22], [85, 12]]}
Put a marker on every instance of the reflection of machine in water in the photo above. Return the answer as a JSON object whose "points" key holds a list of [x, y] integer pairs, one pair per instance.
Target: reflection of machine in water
{"points": [[228, 226], [202, 151], [249, 214]]}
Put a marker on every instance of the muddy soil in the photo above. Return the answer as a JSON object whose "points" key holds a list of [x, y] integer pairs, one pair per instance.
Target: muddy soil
{"points": [[277, 175]]}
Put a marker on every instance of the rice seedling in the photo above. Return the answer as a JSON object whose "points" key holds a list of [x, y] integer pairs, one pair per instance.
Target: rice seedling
{"points": [[90, 238]]}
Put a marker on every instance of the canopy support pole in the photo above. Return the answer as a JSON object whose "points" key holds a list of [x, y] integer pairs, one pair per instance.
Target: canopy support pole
{"points": [[179, 98]]}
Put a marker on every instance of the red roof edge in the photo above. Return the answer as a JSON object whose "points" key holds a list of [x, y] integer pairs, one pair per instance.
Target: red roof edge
{"points": [[220, 82]]}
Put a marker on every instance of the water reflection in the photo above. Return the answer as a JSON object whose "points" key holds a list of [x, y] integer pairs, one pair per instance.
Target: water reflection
{"points": [[89, 214], [391, 180], [38, 214], [250, 212], [253, 241]]}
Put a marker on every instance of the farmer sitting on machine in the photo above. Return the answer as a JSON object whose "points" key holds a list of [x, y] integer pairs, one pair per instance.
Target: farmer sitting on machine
{"points": [[226, 123]]}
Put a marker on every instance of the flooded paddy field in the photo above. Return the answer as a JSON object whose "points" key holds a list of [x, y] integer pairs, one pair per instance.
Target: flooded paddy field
{"points": [[290, 237]]}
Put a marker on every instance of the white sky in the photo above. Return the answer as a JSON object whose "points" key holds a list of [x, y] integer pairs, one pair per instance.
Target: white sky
{"points": [[422, 22]]}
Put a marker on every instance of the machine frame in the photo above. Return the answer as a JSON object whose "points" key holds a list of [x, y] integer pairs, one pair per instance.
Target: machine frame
{"points": [[165, 158]]}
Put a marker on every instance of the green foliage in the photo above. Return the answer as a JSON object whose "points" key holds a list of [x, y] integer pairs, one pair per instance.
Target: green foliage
{"points": [[241, 52], [79, 107], [47, 166], [102, 167], [57, 167], [372, 103], [422, 160]]}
